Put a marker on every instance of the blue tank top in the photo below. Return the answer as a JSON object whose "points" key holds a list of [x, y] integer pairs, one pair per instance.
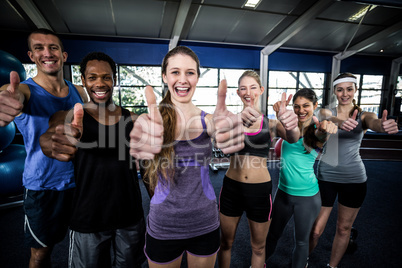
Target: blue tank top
{"points": [[257, 143], [186, 206], [296, 176], [42, 172]]}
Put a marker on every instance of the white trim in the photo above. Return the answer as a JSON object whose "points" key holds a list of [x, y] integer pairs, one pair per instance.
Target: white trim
{"points": [[32, 233], [345, 79]]}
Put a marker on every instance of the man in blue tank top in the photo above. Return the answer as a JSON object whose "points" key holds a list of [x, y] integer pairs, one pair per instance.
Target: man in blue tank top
{"points": [[48, 183], [107, 220]]}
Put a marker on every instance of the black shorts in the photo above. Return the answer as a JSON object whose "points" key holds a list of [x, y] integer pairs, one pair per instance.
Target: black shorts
{"points": [[46, 216], [167, 251], [349, 194], [253, 198]]}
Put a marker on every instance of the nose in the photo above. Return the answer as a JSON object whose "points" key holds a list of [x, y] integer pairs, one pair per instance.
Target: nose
{"points": [[248, 91], [99, 82], [46, 51], [182, 78]]}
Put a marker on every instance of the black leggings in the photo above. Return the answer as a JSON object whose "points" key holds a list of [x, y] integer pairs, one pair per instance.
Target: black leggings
{"points": [[305, 210]]}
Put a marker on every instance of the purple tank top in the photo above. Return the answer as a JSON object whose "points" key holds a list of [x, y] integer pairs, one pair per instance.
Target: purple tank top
{"points": [[186, 207]]}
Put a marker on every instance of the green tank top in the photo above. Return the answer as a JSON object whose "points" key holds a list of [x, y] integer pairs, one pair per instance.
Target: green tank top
{"points": [[296, 176]]}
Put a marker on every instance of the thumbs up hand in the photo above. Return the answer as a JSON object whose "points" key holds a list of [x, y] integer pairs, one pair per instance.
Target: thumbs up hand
{"points": [[228, 127], [350, 123], [324, 127], [146, 137], [288, 118], [388, 125], [11, 100], [66, 136]]}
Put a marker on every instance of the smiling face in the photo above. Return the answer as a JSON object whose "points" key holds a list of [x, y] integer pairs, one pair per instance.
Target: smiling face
{"points": [[345, 92], [249, 91], [181, 77], [304, 109], [46, 53], [99, 81]]}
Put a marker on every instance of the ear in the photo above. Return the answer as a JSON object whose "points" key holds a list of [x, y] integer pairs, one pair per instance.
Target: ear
{"points": [[238, 92], [316, 105], [262, 90], [65, 55], [30, 55], [164, 78], [83, 80]]}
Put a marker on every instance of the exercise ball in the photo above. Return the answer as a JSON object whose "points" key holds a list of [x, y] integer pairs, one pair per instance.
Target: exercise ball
{"points": [[7, 135], [278, 146], [12, 161], [10, 63]]}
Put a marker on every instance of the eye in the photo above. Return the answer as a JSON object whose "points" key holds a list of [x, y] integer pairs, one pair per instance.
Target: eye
{"points": [[107, 78], [190, 73]]}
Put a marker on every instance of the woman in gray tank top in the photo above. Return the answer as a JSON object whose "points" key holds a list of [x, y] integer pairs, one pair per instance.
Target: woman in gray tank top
{"points": [[341, 172]]}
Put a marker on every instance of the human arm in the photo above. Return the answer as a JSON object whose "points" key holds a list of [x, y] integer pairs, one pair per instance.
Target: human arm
{"points": [[371, 121], [227, 128], [61, 139], [12, 98], [146, 137]]}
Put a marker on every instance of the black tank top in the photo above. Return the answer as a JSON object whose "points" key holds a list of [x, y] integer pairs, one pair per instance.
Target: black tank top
{"points": [[257, 143], [107, 194]]}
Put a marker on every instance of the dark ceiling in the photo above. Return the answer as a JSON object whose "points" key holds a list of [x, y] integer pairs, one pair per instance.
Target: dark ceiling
{"points": [[310, 25]]}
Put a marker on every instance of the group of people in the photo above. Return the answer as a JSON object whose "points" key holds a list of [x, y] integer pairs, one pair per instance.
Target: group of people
{"points": [[83, 151]]}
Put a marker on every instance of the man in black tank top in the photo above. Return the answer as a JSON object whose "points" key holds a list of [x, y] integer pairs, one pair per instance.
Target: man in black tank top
{"points": [[107, 223]]}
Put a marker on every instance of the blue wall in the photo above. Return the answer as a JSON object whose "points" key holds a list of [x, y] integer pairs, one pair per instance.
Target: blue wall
{"points": [[151, 52]]}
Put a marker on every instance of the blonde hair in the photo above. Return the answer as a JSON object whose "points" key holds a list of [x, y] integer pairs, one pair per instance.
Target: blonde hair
{"points": [[355, 106], [251, 74], [163, 163]]}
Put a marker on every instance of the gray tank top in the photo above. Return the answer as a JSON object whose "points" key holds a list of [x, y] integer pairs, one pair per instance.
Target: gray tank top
{"points": [[340, 160]]}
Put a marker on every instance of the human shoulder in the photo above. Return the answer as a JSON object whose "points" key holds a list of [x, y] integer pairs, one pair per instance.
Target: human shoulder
{"points": [[83, 93]]}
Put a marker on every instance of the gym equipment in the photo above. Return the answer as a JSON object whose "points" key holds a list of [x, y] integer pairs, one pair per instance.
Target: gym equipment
{"points": [[12, 162], [278, 146], [7, 135], [10, 63]]}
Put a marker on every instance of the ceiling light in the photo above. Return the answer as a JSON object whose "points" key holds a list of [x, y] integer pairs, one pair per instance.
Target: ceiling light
{"points": [[251, 3], [381, 50], [361, 12]]}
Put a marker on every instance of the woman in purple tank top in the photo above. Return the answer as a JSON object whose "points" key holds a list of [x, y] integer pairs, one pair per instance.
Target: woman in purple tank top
{"points": [[183, 216]]}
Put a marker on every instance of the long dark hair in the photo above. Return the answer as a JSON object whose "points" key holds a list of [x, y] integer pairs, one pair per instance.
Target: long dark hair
{"points": [[310, 140]]}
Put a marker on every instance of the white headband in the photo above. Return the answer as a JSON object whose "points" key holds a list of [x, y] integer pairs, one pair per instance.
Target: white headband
{"points": [[345, 79]]}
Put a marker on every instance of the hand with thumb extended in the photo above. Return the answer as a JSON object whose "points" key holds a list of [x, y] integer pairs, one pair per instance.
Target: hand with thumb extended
{"points": [[11, 100], [66, 136], [228, 127], [325, 126], [288, 118], [146, 137], [388, 125], [350, 123]]}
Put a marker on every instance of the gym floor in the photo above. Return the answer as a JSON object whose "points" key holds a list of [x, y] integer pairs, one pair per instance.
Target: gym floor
{"points": [[378, 225]]}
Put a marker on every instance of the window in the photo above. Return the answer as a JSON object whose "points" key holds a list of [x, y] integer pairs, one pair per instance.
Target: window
{"points": [[30, 69], [370, 97], [290, 82], [233, 101]]}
